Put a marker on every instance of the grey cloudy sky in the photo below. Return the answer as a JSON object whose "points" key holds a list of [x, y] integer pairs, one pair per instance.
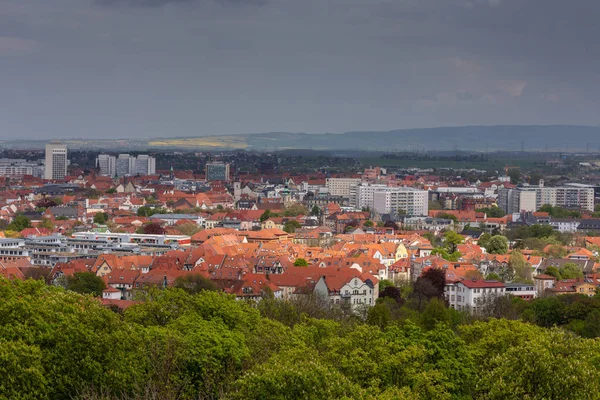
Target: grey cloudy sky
{"points": [[150, 68]]}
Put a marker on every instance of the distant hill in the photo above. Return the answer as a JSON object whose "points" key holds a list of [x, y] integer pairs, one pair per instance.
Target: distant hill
{"points": [[479, 138], [475, 138]]}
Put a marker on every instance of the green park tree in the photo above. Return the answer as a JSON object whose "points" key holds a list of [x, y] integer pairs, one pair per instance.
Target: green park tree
{"points": [[497, 245], [85, 283], [100, 218], [19, 223], [300, 262], [570, 271]]}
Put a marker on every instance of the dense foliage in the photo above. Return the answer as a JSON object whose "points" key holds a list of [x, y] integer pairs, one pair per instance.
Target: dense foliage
{"points": [[449, 246], [559, 212], [493, 212], [19, 223], [56, 344]]}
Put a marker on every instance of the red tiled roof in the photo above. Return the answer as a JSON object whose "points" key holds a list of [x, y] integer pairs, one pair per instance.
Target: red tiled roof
{"points": [[472, 284]]}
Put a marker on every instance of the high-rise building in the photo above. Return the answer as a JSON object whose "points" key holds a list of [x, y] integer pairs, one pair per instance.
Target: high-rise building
{"points": [[515, 201], [145, 165], [217, 171], [125, 165], [363, 195], [56, 161], [107, 164]]}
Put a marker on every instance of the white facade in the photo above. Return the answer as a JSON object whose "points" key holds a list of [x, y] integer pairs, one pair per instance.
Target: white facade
{"points": [[111, 294], [20, 167], [515, 201], [565, 225], [410, 200], [364, 194], [341, 186], [56, 161], [467, 295], [526, 291], [355, 292], [531, 198]]}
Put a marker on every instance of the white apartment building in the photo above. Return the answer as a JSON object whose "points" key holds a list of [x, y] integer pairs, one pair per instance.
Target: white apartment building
{"points": [[413, 202], [514, 201], [468, 294], [341, 186], [56, 161], [521, 199], [364, 194], [565, 225], [20, 167], [526, 291], [106, 164]]}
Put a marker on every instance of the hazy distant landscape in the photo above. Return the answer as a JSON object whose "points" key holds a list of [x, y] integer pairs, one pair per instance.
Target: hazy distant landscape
{"points": [[564, 138]]}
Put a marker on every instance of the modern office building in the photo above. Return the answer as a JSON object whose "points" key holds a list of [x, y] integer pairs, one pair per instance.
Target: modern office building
{"points": [[107, 165], [217, 171], [56, 161]]}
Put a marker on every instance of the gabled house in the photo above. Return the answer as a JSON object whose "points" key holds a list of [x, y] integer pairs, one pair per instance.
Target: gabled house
{"points": [[348, 287]]}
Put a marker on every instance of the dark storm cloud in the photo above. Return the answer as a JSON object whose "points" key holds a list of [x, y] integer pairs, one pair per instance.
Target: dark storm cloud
{"points": [[93, 68], [160, 3]]}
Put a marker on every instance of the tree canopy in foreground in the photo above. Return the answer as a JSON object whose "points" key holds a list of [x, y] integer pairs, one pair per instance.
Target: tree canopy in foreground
{"points": [[57, 344]]}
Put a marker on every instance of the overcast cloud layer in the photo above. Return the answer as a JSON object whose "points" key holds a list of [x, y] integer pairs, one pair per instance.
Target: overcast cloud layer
{"points": [[149, 68]]}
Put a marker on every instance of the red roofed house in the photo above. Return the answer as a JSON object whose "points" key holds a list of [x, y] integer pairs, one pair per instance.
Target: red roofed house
{"points": [[468, 294], [349, 286]]}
